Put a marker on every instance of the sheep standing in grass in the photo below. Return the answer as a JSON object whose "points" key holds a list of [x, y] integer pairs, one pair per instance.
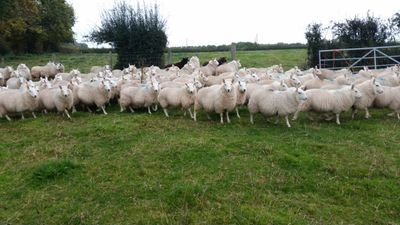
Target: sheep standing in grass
{"points": [[96, 93], [49, 70], [18, 101], [335, 101], [232, 66], [183, 97], [369, 90], [210, 68], [139, 96], [275, 103], [59, 98], [241, 94], [24, 71], [217, 98], [390, 98], [6, 73]]}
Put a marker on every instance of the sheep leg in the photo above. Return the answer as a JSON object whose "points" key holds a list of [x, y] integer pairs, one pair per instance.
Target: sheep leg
{"points": [[45, 111], [221, 115], [7, 117], [194, 115], [88, 109], [190, 112], [227, 117], [122, 109], [353, 113], [237, 112], [131, 109], [296, 115], [367, 115], [155, 107], [165, 112], [34, 115], [287, 121], [148, 109], [73, 109], [104, 109], [251, 118], [184, 112], [337, 119], [66, 113], [208, 116], [22, 116]]}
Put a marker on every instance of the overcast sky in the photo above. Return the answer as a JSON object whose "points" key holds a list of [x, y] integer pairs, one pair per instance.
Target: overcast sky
{"points": [[204, 22]]}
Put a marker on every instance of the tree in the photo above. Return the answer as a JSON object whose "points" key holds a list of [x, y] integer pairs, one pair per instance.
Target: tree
{"points": [[34, 25], [314, 43], [361, 32], [137, 34]]}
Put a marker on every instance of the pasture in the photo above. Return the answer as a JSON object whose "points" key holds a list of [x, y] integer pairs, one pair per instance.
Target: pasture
{"points": [[147, 169]]}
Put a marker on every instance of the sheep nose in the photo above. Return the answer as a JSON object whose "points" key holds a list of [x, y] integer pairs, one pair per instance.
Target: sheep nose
{"points": [[66, 95]]}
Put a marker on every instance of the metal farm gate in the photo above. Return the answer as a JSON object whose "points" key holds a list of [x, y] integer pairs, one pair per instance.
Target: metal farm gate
{"points": [[357, 58]]}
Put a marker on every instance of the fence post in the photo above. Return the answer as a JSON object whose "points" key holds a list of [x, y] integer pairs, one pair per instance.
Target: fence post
{"points": [[169, 58], [374, 58], [233, 51], [110, 59]]}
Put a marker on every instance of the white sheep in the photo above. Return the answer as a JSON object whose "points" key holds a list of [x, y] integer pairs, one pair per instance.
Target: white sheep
{"points": [[49, 70], [232, 66], [18, 101], [211, 68], [6, 71], [141, 96], [275, 103], [335, 101], [24, 71], [217, 98], [390, 98], [59, 98], [369, 90], [241, 95], [15, 81], [183, 97], [96, 93]]}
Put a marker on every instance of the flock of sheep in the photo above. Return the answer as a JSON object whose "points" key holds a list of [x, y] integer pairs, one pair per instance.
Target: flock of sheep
{"points": [[212, 88]]}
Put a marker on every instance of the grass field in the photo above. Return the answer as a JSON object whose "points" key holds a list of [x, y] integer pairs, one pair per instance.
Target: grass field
{"points": [[126, 168], [288, 59]]}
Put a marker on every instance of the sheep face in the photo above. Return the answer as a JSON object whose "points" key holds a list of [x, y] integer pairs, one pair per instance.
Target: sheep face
{"points": [[214, 62], [190, 88], [75, 73], [300, 94], [65, 91], [227, 84], [295, 81], [32, 91], [197, 84], [242, 86], [283, 86], [378, 89], [155, 86], [356, 92], [106, 85], [255, 77]]}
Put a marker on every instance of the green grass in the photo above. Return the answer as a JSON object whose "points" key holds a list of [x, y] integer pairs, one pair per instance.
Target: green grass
{"points": [[83, 62], [126, 168]]}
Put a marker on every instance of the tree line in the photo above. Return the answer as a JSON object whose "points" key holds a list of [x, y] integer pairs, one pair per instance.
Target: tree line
{"points": [[356, 32], [35, 26]]}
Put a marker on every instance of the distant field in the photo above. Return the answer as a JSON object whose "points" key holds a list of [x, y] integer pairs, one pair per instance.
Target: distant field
{"points": [[126, 168], [288, 58]]}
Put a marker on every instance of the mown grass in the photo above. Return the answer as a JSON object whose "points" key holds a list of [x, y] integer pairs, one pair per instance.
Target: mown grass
{"points": [[126, 168], [83, 62]]}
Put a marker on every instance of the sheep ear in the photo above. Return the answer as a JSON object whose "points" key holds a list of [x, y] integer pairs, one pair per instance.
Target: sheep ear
{"points": [[223, 81], [60, 87], [352, 86]]}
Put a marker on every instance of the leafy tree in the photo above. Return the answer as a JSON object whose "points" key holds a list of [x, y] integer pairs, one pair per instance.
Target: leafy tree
{"points": [[314, 43], [137, 34], [34, 25]]}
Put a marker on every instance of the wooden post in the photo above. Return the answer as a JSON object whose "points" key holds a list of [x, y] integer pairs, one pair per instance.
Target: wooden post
{"points": [[169, 59], [233, 51]]}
